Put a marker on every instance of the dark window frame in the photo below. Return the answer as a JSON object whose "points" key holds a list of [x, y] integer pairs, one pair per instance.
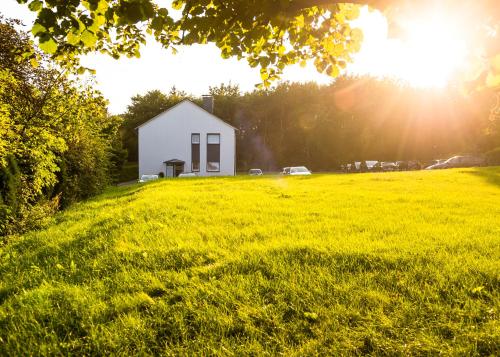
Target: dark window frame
{"points": [[219, 144], [199, 152]]}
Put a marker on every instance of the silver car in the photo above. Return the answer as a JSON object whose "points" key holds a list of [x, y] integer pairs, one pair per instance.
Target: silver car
{"points": [[299, 171], [147, 178]]}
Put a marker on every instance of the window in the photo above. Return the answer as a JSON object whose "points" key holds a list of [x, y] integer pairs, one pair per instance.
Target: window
{"points": [[213, 152], [195, 152]]}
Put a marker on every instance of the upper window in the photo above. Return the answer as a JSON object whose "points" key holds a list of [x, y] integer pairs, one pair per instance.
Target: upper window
{"points": [[213, 152], [195, 152], [213, 139]]}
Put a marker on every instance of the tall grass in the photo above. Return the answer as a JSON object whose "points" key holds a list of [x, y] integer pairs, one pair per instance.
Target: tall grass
{"points": [[399, 263]]}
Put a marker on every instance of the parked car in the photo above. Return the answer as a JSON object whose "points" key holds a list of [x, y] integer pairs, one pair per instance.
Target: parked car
{"points": [[458, 161], [147, 178], [414, 165], [372, 165], [402, 165], [286, 171], [255, 172], [299, 171], [187, 174], [388, 166]]}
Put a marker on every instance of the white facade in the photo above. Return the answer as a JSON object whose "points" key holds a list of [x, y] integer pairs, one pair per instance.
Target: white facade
{"points": [[168, 136]]}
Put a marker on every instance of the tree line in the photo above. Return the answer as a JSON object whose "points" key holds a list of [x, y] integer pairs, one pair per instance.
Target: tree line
{"points": [[325, 126], [58, 144]]}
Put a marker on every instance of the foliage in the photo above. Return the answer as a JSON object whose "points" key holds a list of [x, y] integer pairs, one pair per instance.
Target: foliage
{"points": [[10, 190], [268, 34], [49, 122], [381, 264], [129, 172], [493, 157], [324, 127]]}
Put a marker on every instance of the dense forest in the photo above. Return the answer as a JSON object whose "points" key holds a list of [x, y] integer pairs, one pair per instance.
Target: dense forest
{"points": [[353, 119], [58, 144]]}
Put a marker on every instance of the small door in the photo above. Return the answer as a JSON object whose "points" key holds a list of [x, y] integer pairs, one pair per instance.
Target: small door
{"points": [[179, 169], [170, 171]]}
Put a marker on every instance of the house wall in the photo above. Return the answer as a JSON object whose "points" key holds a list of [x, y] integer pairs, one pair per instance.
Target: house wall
{"points": [[168, 136]]}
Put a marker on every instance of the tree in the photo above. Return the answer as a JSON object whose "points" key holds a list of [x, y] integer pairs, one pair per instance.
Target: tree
{"points": [[55, 129], [270, 34], [143, 108]]}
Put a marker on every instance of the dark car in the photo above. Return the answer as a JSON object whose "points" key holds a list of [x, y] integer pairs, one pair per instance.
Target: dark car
{"points": [[255, 172], [388, 166], [402, 165]]}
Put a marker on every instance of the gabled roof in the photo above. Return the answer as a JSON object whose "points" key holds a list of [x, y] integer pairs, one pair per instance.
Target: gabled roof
{"points": [[192, 103]]}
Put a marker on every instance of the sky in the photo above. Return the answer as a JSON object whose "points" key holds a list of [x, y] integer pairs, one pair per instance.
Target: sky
{"points": [[423, 61]]}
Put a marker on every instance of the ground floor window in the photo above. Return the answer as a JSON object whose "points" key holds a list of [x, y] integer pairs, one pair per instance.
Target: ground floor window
{"points": [[213, 152]]}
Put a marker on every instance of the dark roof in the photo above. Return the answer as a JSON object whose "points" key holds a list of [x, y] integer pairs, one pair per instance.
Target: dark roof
{"points": [[174, 161]]}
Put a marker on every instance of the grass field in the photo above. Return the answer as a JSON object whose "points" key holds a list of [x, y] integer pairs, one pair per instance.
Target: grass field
{"points": [[396, 263]]}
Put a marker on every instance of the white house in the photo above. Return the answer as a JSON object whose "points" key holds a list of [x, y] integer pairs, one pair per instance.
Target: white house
{"points": [[187, 138]]}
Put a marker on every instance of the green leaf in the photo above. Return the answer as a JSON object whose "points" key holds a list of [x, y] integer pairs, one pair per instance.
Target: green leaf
{"points": [[333, 71], [35, 5], [49, 46], [34, 62], [37, 28], [72, 38], [177, 4], [264, 74], [88, 38]]}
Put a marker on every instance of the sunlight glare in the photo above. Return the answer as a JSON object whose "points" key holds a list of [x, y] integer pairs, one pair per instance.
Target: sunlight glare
{"points": [[429, 54]]}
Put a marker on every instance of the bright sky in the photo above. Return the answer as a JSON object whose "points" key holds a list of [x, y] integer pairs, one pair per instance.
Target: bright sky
{"points": [[422, 60]]}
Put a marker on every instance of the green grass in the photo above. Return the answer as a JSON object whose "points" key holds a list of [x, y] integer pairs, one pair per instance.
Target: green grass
{"points": [[396, 263]]}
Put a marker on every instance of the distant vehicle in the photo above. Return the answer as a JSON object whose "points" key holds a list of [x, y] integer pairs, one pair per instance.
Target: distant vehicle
{"points": [[286, 171], [415, 165], [255, 172], [388, 166], [373, 165], [147, 178], [458, 161], [438, 161], [402, 165], [187, 174], [299, 171]]}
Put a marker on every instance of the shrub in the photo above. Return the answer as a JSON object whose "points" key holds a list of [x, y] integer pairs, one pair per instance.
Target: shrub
{"points": [[10, 180], [493, 157]]}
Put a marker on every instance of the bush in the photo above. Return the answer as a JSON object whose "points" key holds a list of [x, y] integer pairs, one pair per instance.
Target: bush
{"points": [[493, 157], [10, 181]]}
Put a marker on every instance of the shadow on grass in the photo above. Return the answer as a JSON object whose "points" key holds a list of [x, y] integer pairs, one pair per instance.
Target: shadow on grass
{"points": [[491, 175]]}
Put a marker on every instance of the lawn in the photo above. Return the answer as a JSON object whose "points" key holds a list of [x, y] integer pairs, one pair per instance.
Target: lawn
{"points": [[397, 263]]}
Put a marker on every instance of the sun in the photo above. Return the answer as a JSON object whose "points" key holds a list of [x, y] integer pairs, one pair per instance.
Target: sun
{"points": [[429, 52]]}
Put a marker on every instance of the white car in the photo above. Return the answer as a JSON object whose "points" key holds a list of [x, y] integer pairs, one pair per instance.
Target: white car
{"points": [[147, 178], [285, 171], [458, 161], [187, 174], [299, 171], [255, 172]]}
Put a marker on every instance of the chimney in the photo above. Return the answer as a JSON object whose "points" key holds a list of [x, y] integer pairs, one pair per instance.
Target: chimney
{"points": [[208, 103]]}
